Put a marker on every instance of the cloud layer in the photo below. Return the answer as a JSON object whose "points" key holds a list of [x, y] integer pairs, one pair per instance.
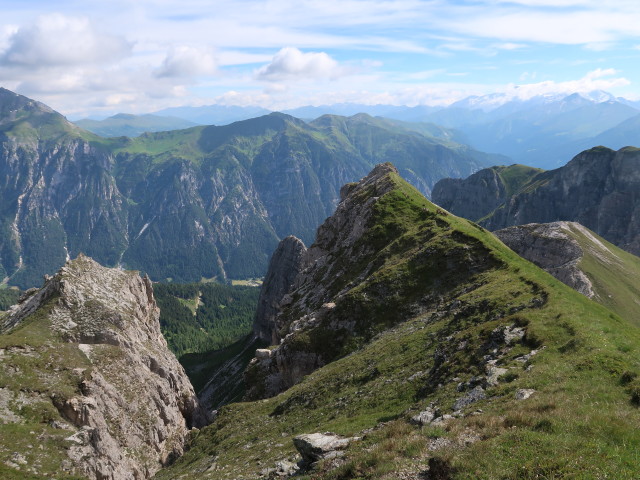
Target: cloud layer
{"points": [[142, 55]]}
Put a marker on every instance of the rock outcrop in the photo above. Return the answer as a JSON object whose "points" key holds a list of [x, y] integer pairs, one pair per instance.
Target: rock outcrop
{"points": [[552, 247], [128, 404], [284, 267]]}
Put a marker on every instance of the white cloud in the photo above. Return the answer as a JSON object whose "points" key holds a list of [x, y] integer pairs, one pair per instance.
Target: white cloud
{"points": [[186, 61], [291, 63], [599, 79], [58, 40]]}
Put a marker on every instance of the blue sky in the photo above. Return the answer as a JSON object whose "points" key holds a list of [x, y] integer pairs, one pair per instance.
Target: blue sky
{"points": [[98, 58]]}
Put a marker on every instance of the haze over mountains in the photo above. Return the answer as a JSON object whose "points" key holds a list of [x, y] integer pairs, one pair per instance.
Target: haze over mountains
{"points": [[543, 131]]}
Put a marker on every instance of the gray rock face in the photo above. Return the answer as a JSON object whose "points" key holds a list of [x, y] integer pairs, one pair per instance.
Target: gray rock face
{"points": [[474, 196], [551, 247], [134, 405], [284, 267]]}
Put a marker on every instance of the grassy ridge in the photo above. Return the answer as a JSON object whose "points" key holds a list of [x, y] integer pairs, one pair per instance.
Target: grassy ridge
{"points": [[580, 422]]}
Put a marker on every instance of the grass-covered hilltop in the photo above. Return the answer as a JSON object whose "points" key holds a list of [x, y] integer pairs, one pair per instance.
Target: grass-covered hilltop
{"points": [[445, 354]]}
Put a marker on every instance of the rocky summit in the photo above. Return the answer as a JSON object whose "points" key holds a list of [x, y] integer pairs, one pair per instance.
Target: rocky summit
{"points": [[86, 377]]}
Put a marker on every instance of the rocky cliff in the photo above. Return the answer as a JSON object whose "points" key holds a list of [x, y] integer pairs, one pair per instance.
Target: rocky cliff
{"points": [[581, 259], [551, 247], [284, 266], [106, 396], [599, 188], [340, 294]]}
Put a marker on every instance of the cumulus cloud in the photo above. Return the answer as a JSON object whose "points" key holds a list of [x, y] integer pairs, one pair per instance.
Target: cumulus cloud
{"points": [[186, 61], [291, 63], [58, 40]]}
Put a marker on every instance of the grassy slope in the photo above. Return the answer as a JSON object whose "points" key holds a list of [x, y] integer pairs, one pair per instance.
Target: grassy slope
{"points": [[580, 423], [515, 177], [614, 273], [38, 377]]}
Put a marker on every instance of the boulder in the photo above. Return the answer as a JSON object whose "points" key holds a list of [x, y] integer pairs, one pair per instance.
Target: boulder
{"points": [[318, 446]]}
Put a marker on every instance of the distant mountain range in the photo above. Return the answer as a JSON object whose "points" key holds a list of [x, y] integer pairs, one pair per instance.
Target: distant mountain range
{"points": [[126, 125], [543, 131], [200, 202]]}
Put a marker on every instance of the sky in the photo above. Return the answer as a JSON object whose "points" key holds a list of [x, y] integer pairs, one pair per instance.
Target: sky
{"points": [[97, 58]]}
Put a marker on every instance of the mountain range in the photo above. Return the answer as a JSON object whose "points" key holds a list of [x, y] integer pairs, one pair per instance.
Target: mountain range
{"points": [[206, 202], [394, 338], [543, 131]]}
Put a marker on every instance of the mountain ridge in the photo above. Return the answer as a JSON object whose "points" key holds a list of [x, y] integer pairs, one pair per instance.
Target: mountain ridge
{"points": [[438, 349]]}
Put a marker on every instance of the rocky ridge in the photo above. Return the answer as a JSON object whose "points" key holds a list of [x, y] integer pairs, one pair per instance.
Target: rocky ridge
{"points": [[123, 402], [444, 351]]}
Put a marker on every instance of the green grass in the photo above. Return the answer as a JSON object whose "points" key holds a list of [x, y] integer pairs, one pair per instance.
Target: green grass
{"points": [[514, 177], [580, 423], [41, 372], [614, 274]]}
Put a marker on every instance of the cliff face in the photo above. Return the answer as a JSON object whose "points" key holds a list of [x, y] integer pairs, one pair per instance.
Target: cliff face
{"points": [[472, 197], [285, 264], [552, 247], [111, 388], [599, 188], [583, 260]]}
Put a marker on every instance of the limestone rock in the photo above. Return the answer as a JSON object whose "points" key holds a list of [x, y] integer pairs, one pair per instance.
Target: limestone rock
{"points": [[315, 278], [473, 396], [318, 446], [425, 417], [134, 405], [524, 393], [284, 266], [551, 247]]}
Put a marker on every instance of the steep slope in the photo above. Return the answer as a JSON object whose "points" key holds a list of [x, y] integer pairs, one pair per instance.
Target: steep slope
{"points": [[484, 191], [599, 188], [437, 351], [57, 193], [86, 374], [579, 258], [205, 202]]}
